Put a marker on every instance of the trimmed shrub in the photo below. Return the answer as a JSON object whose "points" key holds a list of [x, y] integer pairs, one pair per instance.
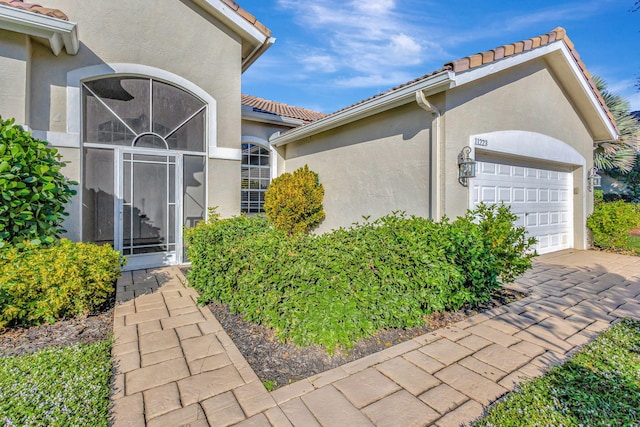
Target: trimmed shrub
{"points": [[293, 201], [336, 288], [32, 188], [39, 285], [610, 222]]}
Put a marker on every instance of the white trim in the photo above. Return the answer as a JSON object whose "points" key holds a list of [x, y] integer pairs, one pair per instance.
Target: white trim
{"points": [[532, 145], [74, 99], [229, 17], [223, 153], [432, 84], [58, 32], [514, 60], [58, 139]]}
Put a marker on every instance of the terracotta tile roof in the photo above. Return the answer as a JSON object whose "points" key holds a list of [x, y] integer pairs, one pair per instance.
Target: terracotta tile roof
{"points": [[248, 17], [35, 8], [479, 59], [489, 56], [270, 107]]}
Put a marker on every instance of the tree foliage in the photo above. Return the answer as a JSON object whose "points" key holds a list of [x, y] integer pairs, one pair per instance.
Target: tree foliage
{"points": [[620, 154], [32, 188], [293, 201]]}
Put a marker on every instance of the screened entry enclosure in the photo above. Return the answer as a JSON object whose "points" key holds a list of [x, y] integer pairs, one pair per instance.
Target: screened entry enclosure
{"points": [[144, 167]]}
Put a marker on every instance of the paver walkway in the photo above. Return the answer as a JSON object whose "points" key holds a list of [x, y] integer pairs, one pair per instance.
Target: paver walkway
{"points": [[177, 367]]}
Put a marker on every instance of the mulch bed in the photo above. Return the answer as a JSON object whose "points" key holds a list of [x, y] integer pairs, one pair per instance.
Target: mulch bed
{"points": [[283, 363], [88, 329]]}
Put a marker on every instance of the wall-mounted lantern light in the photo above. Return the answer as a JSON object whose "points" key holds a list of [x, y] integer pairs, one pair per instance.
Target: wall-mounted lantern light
{"points": [[594, 180], [466, 166]]}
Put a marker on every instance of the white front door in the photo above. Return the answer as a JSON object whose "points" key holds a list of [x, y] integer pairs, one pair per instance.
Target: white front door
{"points": [[148, 197], [540, 197]]}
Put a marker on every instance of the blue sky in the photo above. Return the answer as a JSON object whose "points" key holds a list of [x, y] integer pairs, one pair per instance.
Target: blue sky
{"points": [[332, 53]]}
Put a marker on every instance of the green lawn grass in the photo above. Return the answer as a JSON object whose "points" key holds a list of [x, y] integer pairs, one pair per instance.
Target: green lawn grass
{"points": [[599, 386], [66, 386], [634, 244]]}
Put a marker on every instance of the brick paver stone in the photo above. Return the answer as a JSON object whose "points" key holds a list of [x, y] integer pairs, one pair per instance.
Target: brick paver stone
{"points": [[259, 420], [540, 336], [160, 400], [424, 362], [366, 387], [462, 415], [446, 351], [146, 316], [210, 363], [482, 368], [502, 357], [197, 388], [149, 359], [223, 410], [331, 408], [400, 409], [298, 413], [474, 342], [528, 349], [191, 416], [443, 398], [277, 418], [128, 411], [468, 382], [158, 341], [254, 398], [155, 375], [408, 375], [200, 347], [493, 334], [561, 328], [183, 320]]}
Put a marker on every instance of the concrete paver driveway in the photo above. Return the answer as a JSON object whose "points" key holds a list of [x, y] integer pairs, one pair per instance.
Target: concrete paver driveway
{"points": [[175, 365]]}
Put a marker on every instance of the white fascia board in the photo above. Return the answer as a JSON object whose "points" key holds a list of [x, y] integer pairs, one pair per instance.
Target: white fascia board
{"points": [[229, 16], [433, 84], [58, 31], [255, 116], [514, 60]]}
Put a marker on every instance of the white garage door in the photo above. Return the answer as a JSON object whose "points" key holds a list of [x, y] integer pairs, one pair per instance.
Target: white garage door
{"points": [[540, 197]]}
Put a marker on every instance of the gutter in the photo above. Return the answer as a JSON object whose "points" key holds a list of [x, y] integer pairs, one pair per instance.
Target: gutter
{"points": [[424, 103], [403, 95], [257, 52], [59, 33]]}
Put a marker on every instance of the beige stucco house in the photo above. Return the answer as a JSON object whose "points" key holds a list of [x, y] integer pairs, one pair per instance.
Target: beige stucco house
{"points": [[145, 107], [527, 112], [147, 111]]}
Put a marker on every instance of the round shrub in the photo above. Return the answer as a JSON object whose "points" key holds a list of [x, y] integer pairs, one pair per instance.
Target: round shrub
{"points": [[32, 188], [293, 201], [610, 222]]}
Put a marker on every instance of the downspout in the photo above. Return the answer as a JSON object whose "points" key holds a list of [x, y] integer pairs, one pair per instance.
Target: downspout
{"points": [[436, 210]]}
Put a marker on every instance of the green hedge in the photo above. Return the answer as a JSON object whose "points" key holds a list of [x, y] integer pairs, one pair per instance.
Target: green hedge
{"points": [[336, 288], [39, 285], [610, 222]]}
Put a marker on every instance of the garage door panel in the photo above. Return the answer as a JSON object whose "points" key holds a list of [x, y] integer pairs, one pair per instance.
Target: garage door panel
{"points": [[540, 198]]}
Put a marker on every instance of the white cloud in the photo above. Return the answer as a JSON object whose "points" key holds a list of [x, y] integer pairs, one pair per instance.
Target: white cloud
{"points": [[374, 42]]}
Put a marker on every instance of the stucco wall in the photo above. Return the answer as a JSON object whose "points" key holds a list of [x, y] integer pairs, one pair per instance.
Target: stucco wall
{"points": [[371, 167], [14, 75], [524, 98], [179, 38]]}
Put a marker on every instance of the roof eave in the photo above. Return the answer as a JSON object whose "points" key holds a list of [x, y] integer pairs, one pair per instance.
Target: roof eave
{"points": [[59, 33], [558, 56], [432, 84], [254, 41], [254, 116]]}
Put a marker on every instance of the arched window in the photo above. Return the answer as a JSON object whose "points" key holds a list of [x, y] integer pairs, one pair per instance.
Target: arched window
{"points": [[256, 176], [142, 112]]}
